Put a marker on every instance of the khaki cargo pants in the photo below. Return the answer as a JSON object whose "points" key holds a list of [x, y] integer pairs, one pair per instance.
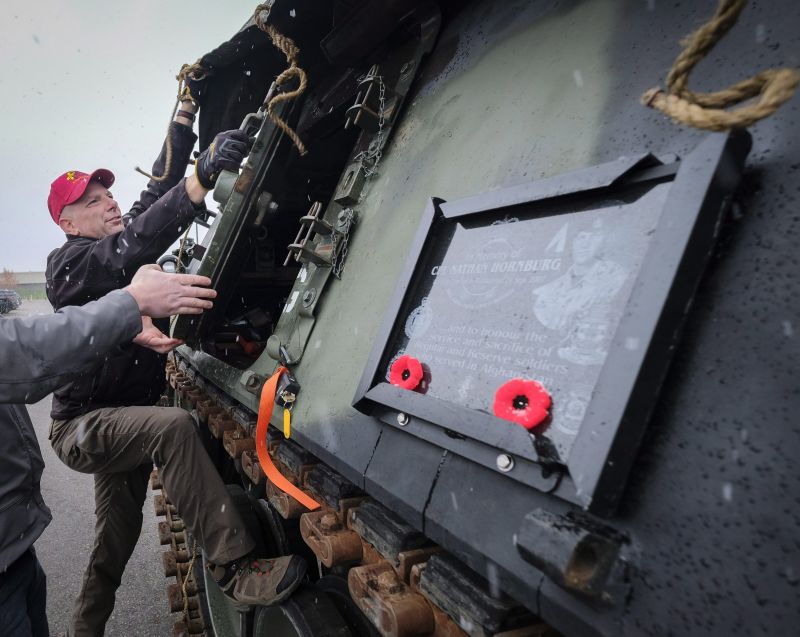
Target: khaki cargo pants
{"points": [[119, 446]]}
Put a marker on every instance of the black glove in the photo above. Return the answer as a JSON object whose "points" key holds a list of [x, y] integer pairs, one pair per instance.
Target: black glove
{"points": [[226, 152]]}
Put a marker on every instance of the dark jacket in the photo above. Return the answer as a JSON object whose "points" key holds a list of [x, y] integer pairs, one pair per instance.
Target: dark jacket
{"points": [[38, 354], [85, 269]]}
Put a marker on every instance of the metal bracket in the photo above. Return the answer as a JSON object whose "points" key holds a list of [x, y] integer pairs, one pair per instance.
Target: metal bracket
{"points": [[324, 252], [375, 103]]}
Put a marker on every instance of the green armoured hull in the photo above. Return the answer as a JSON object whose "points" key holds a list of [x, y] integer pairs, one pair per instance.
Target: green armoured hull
{"points": [[477, 103]]}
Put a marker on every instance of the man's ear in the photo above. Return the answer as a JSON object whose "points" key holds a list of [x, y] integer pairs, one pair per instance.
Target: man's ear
{"points": [[68, 226]]}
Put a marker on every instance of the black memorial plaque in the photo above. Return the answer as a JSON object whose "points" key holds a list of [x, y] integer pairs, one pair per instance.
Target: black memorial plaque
{"points": [[526, 296], [579, 282]]}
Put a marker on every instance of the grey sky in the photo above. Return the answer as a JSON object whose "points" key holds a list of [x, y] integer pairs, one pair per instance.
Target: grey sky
{"points": [[86, 84]]}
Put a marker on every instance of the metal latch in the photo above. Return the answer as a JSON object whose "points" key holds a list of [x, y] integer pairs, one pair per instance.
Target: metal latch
{"points": [[287, 390], [302, 249], [375, 103]]}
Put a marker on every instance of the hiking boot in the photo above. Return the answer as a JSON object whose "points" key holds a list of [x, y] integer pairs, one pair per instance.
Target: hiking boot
{"points": [[260, 582]]}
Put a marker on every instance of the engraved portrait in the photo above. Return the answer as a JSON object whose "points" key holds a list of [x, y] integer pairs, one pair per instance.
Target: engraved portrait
{"points": [[576, 304]]}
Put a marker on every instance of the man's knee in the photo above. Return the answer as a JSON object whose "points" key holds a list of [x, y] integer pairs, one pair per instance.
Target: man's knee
{"points": [[177, 424]]}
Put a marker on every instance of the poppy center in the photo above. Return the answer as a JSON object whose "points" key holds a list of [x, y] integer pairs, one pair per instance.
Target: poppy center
{"points": [[520, 401], [405, 375]]}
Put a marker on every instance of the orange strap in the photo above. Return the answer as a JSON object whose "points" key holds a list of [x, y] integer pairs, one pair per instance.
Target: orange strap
{"points": [[265, 405]]}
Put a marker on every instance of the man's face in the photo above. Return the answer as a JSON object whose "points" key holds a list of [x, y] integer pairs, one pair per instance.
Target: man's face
{"points": [[94, 215], [585, 246]]}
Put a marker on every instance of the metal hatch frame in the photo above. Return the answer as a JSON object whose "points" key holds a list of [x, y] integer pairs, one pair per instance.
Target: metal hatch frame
{"points": [[243, 208], [597, 466]]}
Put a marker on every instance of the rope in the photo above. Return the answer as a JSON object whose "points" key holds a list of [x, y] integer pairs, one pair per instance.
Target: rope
{"points": [[290, 50], [197, 72], [186, 580], [704, 110]]}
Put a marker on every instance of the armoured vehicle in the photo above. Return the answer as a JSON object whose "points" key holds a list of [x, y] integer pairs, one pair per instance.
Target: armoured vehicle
{"points": [[540, 340]]}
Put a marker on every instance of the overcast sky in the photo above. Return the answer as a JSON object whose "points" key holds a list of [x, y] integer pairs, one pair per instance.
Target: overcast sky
{"points": [[86, 84]]}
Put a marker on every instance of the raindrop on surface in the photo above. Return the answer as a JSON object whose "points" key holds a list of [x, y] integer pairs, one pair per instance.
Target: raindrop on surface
{"points": [[222, 509], [761, 33], [578, 76], [743, 435], [727, 492], [455, 502], [632, 343], [788, 330], [494, 580]]}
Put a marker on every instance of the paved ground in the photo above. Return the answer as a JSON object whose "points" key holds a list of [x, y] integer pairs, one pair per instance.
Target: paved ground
{"points": [[64, 547]]}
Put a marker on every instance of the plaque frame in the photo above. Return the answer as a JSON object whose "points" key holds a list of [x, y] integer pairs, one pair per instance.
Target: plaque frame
{"points": [[625, 394]]}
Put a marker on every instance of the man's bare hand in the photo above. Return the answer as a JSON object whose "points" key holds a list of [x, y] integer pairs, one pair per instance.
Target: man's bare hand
{"points": [[159, 294], [153, 338]]}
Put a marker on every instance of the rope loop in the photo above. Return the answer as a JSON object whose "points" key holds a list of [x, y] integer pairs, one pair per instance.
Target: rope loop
{"points": [[286, 46], [705, 111], [194, 71]]}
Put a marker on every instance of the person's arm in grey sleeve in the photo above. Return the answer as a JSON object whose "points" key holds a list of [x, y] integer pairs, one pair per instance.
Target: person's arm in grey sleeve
{"points": [[38, 354]]}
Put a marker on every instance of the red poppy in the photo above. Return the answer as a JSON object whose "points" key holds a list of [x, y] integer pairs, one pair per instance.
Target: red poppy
{"points": [[522, 401], [406, 372]]}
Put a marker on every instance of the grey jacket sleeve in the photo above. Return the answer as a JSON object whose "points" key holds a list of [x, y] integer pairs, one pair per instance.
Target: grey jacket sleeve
{"points": [[39, 353]]}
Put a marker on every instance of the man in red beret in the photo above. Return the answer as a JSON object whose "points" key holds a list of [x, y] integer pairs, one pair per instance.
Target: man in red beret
{"points": [[104, 422]]}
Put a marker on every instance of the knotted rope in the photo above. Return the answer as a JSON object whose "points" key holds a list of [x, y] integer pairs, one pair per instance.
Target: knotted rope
{"points": [[290, 50], [196, 72], [704, 110]]}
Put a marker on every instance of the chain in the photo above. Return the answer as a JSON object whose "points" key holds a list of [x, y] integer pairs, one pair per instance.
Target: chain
{"points": [[372, 156], [341, 240]]}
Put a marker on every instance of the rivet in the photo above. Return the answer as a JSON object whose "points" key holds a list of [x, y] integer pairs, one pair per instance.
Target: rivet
{"points": [[309, 296], [505, 462]]}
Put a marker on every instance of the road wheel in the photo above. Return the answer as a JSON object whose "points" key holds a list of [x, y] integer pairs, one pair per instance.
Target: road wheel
{"points": [[307, 613], [336, 589]]}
